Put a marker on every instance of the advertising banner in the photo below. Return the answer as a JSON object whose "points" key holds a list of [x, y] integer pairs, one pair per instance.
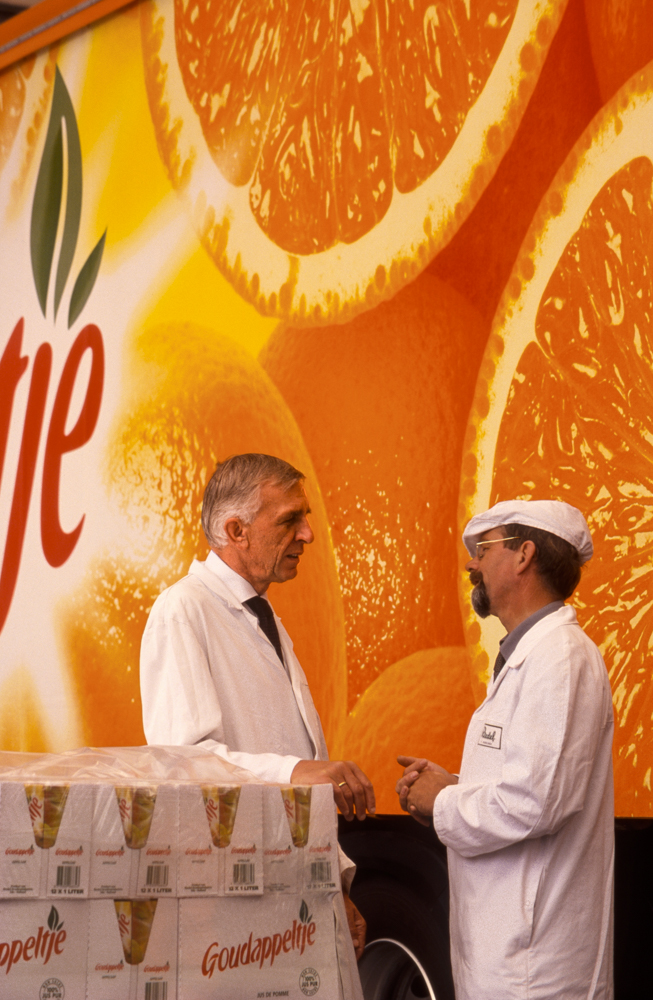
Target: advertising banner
{"points": [[405, 247]]}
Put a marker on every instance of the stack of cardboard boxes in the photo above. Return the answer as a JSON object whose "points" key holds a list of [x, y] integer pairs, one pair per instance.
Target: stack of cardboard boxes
{"points": [[159, 874]]}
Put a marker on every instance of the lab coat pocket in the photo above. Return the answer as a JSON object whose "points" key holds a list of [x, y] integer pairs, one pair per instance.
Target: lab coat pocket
{"points": [[533, 883]]}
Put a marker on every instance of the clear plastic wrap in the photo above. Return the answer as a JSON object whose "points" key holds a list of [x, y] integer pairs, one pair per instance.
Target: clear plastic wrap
{"points": [[124, 765]]}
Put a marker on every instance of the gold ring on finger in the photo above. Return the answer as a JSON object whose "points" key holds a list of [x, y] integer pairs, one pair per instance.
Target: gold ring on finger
{"points": [[341, 783]]}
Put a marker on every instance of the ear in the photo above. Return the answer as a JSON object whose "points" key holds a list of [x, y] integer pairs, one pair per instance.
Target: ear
{"points": [[527, 553], [237, 532]]}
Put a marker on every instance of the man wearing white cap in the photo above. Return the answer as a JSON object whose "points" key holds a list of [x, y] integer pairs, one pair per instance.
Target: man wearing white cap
{"points": [[528, 823]]}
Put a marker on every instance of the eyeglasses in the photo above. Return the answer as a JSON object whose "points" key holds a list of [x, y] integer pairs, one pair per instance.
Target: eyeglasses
{"points": [[481, 546]]}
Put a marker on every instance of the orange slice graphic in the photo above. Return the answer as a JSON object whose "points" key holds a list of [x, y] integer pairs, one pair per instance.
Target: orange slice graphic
{"points": [[563, 403], [25, 90], [328, 150], [621, 38]]}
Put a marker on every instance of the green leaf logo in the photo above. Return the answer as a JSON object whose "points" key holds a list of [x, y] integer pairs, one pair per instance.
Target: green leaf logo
{"points": [[62, 138], [53, 920], [304, 916]]}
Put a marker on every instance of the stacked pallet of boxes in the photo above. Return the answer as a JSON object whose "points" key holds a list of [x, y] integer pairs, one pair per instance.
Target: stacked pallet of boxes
{"points": [[161, 874]]}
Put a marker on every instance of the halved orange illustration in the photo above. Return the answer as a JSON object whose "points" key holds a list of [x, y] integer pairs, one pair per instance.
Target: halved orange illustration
{"points": [[328, 150], [563, 403], [382, 403], [419, 707], [25, 90]]}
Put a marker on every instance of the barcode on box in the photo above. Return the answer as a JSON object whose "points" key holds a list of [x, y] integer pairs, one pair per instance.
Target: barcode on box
{"points": [[320, 871], [156, 991], [68, 876], [244, 873], [157, 875]]}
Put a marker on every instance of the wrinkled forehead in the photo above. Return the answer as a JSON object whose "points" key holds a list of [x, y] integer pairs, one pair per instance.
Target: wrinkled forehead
{"points": [[279, 499]]}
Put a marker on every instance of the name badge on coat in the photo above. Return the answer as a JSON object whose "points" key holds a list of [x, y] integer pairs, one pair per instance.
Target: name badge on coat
{"points": [[491, 736]]}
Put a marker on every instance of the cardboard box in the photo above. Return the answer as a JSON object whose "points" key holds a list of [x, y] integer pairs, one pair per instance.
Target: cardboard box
{"points": [[69, 856], [23, 865], [132, 953], [201, 861], [243, 846], [156, 839], [237, 949], [45, 839], [301, 845], [114, 866], [43, 949], [281, 859]]}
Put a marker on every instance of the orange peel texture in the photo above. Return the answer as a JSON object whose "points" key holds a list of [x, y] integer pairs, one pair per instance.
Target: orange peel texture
{"points": [[562, 406], [621, 37], [478, 260], [328, 150]]}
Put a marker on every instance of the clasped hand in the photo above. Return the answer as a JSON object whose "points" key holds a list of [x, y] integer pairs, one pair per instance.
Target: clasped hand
{"points": [[352, 789], [420, 785]]}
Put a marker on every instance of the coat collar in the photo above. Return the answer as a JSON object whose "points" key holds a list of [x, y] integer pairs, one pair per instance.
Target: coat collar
{"points": [[563, 616], [215, 584]]}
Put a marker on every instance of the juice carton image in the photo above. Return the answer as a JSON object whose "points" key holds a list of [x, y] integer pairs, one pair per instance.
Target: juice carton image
{"points": [[201, 859], [23, 866], [221, 804], [311, 820], [114, 866], [155, 838], [239, 834], [282, 860], [132, 942], [46, 804], [297, 804], [45, 839], [135, 919], [321, 869], [136, 807]]}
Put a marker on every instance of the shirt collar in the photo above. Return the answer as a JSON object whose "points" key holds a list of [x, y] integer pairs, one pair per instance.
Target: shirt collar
{"points": [[509, 642], [241, 588]]}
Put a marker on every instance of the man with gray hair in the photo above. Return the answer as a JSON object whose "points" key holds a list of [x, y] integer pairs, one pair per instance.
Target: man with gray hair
{"points": [[217, 666], [529, 822]]}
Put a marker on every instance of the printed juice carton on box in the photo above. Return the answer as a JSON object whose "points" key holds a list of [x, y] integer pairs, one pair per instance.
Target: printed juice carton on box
{"points": [[235, 816], [282, 860], [114, 861], [132, 953], [201, 842], [22, 863], [277, 945], [312, 823], [43, 949], [321, 869], [66, 835], [149, 816], [45, 839]]}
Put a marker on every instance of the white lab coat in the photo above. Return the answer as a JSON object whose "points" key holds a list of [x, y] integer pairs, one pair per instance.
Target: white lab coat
{"points": [[210, 677], [530, 826]]}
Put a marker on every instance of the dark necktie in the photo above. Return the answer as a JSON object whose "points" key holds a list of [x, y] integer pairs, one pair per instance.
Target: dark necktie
{"points": [[265, 616], [498, 663]]}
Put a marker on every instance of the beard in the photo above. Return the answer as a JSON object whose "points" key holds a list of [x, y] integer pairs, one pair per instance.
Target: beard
{"points": [[480, 597]]}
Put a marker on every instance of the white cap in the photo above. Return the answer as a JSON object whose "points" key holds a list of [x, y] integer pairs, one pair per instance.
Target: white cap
{"points": [[555, 516]]}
